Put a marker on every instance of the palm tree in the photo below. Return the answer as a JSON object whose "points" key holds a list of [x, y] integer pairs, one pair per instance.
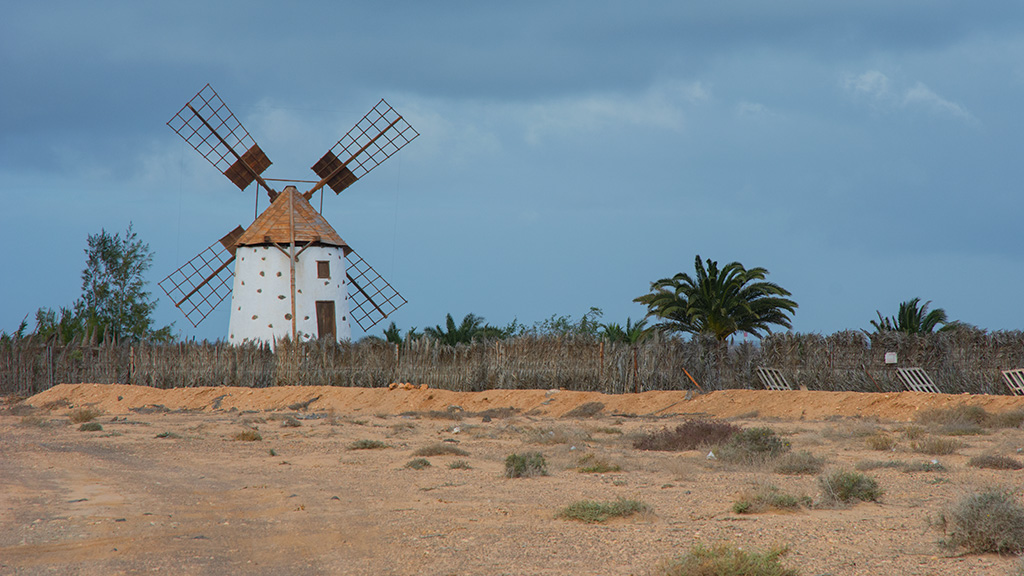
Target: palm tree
{"points": [[631, 334], [719, 302], [471, 328], [914, 318]]}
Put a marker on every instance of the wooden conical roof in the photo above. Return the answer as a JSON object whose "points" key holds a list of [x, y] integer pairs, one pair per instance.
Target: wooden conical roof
{"points": [[290, 208]]}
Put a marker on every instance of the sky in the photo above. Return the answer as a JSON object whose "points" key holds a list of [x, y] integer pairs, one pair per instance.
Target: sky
{"points": [[570, 153]]}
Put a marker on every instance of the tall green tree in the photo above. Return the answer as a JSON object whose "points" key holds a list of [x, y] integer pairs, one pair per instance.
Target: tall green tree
{"points": [[471, 328], [114, 297], [914, 318], [718, 301]]}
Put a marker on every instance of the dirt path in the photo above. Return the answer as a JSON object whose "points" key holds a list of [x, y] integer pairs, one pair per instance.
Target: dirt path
{"points": [[164, 487]]}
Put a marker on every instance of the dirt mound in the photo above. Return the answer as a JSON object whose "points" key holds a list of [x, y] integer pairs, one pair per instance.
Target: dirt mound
{"points": [[789, 405]]}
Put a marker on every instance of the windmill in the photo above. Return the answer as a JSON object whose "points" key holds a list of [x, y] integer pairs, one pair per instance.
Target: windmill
{"points": [[293, 274]]}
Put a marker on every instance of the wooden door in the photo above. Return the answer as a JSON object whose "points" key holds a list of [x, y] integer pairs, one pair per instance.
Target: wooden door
{"points": [[325, 319]]}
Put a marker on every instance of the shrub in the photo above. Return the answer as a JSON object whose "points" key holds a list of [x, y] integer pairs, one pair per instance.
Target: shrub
{"points": [[525, 465], [557, 435], [866, 465], [844, 487], [1011, 419], [590, 464], [767, 497], [753, 446], [91, 427], [168, 435], [83, 415], [249, 436], [441, 449], [986, 522], [689, 435], [933, 466], [585, 410], [881, 441], [959, 415], [290, 422], [936, 446], [418, 463], [995, 462], [802, 462], [459, 465], [367, 445], [593, 512], [726, 560]]}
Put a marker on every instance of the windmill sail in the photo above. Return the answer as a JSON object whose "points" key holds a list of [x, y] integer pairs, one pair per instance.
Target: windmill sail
{"points": [[202, 283], [371, 298], [209, 126], [374, 139]]}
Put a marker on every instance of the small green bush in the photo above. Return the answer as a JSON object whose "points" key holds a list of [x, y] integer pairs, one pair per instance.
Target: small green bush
{"points": [[932, 466], [995, 462], [866, 465], [80, 415], [985, 522], [802, 462], [459, 465], [91, 427], [249, 436], [525, 465], [844, 487], [726, 560], [418, 463], [366, 444], [593, 512], [168, 435], [441, 449], [936, 446], [767, 497], [753, 446], [689, 435]]}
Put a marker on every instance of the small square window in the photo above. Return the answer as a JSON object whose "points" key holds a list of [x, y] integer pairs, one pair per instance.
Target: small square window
{"points": [[323, 268]]}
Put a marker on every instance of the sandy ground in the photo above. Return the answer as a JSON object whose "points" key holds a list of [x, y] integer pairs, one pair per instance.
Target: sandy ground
{"points": [[166, 488]]}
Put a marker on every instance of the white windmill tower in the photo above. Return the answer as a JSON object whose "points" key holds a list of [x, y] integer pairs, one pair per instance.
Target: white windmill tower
{"points": [[294, 276]]}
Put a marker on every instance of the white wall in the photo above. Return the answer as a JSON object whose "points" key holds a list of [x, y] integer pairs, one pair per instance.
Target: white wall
{"points": [[261, 298]]}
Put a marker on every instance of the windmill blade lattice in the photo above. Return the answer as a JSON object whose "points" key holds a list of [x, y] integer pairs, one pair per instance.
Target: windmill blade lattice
{"points": [[374, 139], [202, 283], [371, 298], [209, 126]]}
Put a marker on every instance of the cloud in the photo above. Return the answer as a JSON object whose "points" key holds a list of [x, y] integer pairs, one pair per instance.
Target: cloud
{"points": [[877, 89]]}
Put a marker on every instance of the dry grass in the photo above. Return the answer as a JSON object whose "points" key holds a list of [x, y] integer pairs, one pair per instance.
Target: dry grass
{"points": [[366, 444], [249, 435], [766, 497], [881, 441], [689, 435], [994, 462], [844, 487], [79, 415], [726, 560], [984, 522], [802, 462], [593, 512], [936, 446], [526, 465], [441, 449]]}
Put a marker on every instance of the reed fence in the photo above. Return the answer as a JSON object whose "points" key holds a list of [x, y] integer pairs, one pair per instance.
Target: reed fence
{"points": [[963, 361]]}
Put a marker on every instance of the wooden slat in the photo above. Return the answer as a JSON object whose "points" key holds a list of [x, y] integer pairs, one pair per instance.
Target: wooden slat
{"points": [[773, 379], [917, 380], [1015, 380]]}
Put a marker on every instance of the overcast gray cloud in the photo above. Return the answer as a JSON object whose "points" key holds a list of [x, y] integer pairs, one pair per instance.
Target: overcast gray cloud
{"points": [[571, 152]]}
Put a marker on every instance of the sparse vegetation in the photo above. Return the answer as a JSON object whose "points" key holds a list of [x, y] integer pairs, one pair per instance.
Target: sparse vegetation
{"points": [[689, 435], [418, 463], [845, 487], [525, 465], [881, 441], [753, 446], [802, 462], [994, 462], [366, 444], [79, 415], [290, 422], [936, 445], [249, 435], [459, 465], [557, 435], [727, 560], [593, 512], [168, 435], [591, 464], [91, 427], [585, 410], [984, 522], [441, 449], [767, 497]]}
